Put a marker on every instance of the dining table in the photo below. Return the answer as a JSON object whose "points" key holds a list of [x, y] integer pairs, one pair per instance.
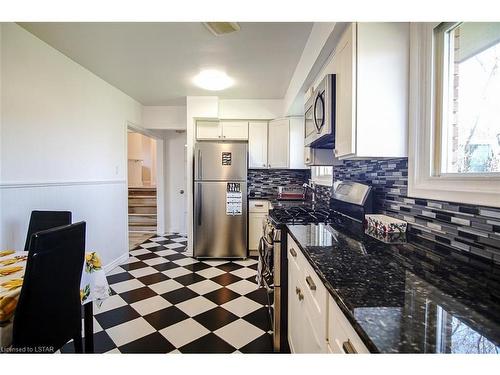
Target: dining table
{"points": [[94, 288]]}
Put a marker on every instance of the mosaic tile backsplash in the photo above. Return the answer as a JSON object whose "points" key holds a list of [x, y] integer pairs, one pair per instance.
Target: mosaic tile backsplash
{"points": [[468, 228], [265, 182], [323, 194]]}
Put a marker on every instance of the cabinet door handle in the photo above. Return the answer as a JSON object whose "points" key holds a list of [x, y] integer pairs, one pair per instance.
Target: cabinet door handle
{"points": [[310, 283], [348, 347], [293, 252], [264, 165], [299, 293], [269, 165]]}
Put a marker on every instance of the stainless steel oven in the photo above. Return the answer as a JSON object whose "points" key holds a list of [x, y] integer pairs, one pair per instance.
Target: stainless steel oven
{"points": [[319, 115], [273, 277]]}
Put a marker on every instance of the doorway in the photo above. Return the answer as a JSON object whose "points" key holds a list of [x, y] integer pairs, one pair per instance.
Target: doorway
{"points": [[142, 173]]}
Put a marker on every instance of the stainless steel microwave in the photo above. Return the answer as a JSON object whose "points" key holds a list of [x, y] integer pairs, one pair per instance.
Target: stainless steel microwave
{"points": [[319, 115]]}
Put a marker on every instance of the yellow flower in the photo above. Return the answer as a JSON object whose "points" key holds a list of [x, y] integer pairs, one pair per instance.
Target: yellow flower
{"points": [[96, 262], [88, 257]]}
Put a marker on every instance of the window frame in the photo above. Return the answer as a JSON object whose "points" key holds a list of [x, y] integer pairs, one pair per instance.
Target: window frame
{"points": [[425, 179]]}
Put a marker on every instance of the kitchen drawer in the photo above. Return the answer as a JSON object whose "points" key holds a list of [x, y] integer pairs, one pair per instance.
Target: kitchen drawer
{"points": [[315, 298], [258, 206], [294, 254], [342, 337]]}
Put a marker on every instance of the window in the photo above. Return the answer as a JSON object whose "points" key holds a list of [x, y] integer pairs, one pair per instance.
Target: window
{"points": [[467, 59], [322, 175], [454, 135]]}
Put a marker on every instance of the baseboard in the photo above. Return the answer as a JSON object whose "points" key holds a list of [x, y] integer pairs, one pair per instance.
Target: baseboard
{"points": [[115, 263]]}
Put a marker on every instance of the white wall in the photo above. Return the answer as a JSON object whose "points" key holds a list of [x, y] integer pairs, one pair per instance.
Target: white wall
{"points": [[164, 117], [63, 144], [251, 109], [175, 167], [321, 31]]}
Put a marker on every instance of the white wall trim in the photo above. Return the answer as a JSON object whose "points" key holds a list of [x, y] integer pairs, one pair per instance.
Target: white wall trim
{"points": [[422, 182], [115, 263], [32, 184]]}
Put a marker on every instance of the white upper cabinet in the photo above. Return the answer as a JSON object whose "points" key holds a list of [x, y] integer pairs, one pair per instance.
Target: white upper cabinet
{"points": [[372, 64], [297, 143], [345, 124], [257, 144], [223, 130], [208, 130], [235, 130], [275, 144], [279, 143]]}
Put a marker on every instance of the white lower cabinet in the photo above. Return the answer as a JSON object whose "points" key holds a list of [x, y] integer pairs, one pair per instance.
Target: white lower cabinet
{"points": [[342, 338], [306, 306], [315, 322], [295, 327], [257, 211]]}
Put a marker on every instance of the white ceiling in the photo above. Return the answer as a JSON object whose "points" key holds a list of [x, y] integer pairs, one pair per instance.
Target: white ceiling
{"points": [[155, 62]]}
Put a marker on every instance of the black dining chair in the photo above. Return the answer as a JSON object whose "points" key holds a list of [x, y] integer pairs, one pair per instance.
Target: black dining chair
{"points": [[49, 311], [42, 220]]}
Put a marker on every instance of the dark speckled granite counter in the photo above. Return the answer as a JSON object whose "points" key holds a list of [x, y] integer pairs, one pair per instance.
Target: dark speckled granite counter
{"points": [[417, 297]]}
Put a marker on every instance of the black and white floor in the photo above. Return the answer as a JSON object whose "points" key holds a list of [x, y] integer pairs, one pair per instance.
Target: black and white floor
{"points": [[167, 302]]}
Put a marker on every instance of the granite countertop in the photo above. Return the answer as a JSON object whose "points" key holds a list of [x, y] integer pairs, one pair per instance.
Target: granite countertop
{"points": [[418, 297]]}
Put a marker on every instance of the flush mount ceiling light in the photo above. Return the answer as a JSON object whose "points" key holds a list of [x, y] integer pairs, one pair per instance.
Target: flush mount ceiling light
{"points": [[213, 80]]}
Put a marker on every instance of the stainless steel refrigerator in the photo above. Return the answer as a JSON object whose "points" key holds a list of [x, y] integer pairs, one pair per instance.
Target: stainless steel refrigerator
{"points": [[220, 200]]}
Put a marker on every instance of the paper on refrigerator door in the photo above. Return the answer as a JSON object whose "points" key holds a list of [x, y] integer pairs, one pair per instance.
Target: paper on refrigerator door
{"points": [[234, 199]]}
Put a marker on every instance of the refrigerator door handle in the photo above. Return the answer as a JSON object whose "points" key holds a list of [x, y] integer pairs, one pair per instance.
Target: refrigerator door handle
{"points": [[200, 174], [199, 203]]}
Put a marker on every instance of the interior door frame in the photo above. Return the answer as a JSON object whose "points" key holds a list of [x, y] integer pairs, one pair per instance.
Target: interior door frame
{"points": [[160, 178]]}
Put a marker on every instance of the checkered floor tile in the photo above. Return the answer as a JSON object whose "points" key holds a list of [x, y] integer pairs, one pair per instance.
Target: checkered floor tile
{"points": [[165, 301]]}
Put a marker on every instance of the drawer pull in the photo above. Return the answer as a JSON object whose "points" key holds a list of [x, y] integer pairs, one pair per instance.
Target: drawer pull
{"points": [[293, 252], [348, 347], [310, 283], [259, 205]]}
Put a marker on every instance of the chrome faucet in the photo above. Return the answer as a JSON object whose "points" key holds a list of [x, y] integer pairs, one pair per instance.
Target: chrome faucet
{"points": [[311, 186]]}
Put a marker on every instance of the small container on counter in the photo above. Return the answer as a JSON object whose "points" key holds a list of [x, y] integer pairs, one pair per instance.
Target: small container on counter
{"points": [[385, 228]]}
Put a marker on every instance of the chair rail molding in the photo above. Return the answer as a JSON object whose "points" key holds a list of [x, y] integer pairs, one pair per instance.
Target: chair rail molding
{"points": [[32, 184]]}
